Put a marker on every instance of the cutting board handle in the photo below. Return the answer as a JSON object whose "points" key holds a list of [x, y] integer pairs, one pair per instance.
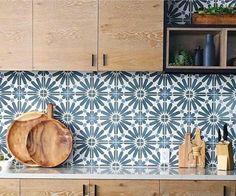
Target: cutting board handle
{"points": [[50, 110]]}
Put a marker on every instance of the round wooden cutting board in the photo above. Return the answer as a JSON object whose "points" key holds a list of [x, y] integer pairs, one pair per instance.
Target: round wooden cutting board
{"points": [[17, 135], [49, 143]]}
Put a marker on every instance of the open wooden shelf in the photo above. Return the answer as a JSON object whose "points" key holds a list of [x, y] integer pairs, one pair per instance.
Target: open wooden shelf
{"points": [[190, 38]]}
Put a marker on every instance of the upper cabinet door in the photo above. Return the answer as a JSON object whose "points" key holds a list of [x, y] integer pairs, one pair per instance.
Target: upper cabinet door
{"points": [[65, 35], [131, 35], [16, 35]]}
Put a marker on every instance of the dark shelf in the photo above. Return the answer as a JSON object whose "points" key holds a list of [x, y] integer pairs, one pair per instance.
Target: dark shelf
{"points": [[199, 26]]}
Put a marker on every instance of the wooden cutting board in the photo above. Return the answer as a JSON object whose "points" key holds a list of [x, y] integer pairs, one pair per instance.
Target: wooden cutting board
{"points": [[17, 135], [186, 158], [201, 145], [49, 143]]}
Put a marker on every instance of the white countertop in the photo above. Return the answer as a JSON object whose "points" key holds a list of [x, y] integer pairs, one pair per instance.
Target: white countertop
{"points": [[124, 173]]}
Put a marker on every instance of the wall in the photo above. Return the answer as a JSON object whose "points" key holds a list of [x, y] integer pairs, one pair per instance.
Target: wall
{"points": [[123, 119]]}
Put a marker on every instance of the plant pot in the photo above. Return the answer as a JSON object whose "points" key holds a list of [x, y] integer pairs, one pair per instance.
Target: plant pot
{"points": [[214, 19]]}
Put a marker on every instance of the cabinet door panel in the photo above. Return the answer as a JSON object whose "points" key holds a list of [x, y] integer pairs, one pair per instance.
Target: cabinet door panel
{"points": [[65, 34], [125, 187], [16, 35], [196, 188], [33, 187], [131, 35], [9, 187]]}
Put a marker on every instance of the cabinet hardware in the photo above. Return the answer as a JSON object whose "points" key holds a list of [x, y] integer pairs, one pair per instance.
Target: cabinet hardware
{"points": [[104, 59], [95, 190], [224, 190], [84, 187], [93, 60]]}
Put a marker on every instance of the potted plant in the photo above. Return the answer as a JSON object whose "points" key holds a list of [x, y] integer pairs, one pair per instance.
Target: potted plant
{"points": [[182, 57], [215, 15]]}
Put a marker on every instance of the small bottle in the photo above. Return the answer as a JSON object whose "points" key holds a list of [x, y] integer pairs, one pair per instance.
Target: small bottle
{"points": [[198, 59], [209, 57]]}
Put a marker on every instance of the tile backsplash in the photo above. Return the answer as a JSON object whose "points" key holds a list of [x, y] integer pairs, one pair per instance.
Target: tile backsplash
{"points": [[179, 11], [123, 118]]}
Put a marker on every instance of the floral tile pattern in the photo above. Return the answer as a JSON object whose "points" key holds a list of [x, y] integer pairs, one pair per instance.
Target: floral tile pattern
{"points": [[122, 119]]}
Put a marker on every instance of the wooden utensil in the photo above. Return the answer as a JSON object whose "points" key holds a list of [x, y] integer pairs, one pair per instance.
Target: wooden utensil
{"points": [[224, 152], [17, 135], [199, 149], [49, 143], [186, 158]]}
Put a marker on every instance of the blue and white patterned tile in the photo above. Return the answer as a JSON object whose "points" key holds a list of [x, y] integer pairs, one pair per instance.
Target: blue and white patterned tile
{"points": [[3, 145], [140, 144], [226, 3], [197, 4], [211, 160], [179, 11], [43, 90], [128, 127], [116, 117], [71, 115]]}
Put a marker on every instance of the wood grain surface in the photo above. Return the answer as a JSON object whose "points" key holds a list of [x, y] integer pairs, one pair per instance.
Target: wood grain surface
{"points": [[222, 19], [186, 158], [125, 187], [35, 187], [201, 145], [225, 149], [197, 188], [9, 187], [131, 35], [17, 135], [65, 34], [16, 35], [49, 143]]}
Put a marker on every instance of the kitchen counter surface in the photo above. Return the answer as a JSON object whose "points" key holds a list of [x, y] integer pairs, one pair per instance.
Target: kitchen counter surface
{"points": [[117, 173]]}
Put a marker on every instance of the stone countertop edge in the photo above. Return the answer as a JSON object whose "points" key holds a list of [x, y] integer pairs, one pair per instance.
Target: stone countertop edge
{"points": [[85, 173]]}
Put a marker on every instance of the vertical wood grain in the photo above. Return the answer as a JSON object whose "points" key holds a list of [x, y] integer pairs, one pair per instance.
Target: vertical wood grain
{"points": [[223, 48], [125, 187], [64, 34], [9, 187], [36, 187], [131, 35], [16, 35]]}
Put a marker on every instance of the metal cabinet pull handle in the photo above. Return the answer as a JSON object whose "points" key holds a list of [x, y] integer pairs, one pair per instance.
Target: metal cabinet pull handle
{"points": [[84, 187], [93, 60], [224, 190], [104, 59], [95, 190]]}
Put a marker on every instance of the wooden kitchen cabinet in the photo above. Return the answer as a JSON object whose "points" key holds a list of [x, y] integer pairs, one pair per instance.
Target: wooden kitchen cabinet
{"points": [[79, 35], [9, 187], [36, 187], [124, 187], [131, 35], [197, 188], [16, 35], [65, 35]]}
